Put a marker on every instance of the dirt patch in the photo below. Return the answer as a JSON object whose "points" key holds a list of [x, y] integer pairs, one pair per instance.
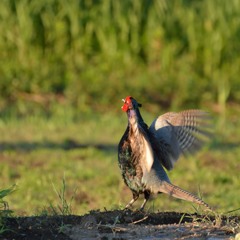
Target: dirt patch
{"points": [[122, 225]]}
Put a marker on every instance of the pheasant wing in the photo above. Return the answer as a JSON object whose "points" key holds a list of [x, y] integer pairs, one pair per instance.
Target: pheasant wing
{"points": [[178, 133]]}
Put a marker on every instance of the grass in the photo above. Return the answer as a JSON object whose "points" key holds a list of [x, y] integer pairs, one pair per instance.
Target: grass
{"points": [[86, 53], [4, 207], [70, 166], [64, 68], [64, 206]]}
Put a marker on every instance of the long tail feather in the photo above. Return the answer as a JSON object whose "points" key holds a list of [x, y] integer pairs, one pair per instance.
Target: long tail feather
{"points": [[177, 192]]}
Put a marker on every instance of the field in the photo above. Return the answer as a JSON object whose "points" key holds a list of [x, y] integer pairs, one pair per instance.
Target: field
{"points": [[64, 166], [64, 68], [78, 158]]}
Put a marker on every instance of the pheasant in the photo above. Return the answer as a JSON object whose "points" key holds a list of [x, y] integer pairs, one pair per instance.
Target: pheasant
{"points": [[144, 152]]}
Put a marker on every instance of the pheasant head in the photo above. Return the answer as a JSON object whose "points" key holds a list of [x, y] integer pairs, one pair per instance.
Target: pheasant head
{"points": [[130, 104]]}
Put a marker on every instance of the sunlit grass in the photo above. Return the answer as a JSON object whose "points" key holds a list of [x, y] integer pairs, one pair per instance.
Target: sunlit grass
{"points": [[38, 153], [85, 53], [64, 69]]}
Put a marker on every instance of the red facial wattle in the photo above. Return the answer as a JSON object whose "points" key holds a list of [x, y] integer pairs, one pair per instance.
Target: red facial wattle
{"points": [[125, 107], [127, 104]]}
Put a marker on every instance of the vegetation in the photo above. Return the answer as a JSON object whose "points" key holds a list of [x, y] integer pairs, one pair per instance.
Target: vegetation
{"points": [[66, 65], [88, 54], [38, 153], [4, 208]]}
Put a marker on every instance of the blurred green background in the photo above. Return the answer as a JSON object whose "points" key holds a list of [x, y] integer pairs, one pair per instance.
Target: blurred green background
{"points": [[65, 65]]}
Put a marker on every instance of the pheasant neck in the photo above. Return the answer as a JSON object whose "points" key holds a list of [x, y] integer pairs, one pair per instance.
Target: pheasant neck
{"points": [[135, 114], [134, 120]]}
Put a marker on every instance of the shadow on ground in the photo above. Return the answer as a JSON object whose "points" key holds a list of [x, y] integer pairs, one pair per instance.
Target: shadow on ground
{"points": [[67, 144]]}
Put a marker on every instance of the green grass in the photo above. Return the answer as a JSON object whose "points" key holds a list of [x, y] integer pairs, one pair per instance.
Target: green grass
{"points": [[59, 159], [4, 207], [89, 53], [64, 67]]}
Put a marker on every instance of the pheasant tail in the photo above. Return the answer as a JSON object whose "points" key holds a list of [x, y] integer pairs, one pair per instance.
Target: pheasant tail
{"points": [[177, 192]]}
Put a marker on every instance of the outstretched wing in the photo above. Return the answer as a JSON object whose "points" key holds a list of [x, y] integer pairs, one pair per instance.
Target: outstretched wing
{"points": [[178, 133]]}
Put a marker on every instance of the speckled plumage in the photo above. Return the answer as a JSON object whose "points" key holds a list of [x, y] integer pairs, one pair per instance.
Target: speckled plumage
{"points": [[144, 152]]}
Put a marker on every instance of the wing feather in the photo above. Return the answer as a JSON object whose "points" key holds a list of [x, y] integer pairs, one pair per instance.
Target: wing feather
{"points": [[179, 133]]}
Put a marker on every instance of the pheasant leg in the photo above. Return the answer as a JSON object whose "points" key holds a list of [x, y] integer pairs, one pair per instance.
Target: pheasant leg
{"points": [[134, 199], [146, 197]]}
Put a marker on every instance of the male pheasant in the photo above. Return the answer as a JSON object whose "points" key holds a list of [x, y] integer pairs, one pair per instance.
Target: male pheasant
{"points": [[144, 152]]}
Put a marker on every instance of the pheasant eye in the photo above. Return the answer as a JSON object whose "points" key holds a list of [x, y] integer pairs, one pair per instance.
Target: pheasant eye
{"points": [[128, 100]]}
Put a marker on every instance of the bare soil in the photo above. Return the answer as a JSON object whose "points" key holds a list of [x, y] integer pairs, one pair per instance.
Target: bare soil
{"points": [[122, 224]]}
